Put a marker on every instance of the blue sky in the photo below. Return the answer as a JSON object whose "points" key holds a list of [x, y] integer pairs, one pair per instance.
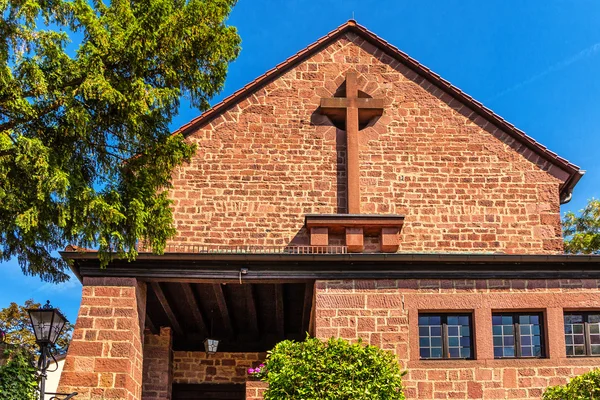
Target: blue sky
{"points": [[534, 62]]}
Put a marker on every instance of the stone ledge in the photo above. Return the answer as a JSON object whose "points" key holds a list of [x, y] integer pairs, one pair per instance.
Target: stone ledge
{"points": [[355, 227]]}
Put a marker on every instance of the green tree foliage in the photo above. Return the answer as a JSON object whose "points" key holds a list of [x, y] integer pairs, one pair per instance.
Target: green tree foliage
{"points": [[586, 386], [332, 370], [17, 376], [15, 322], [86, 154], [582, 232]]}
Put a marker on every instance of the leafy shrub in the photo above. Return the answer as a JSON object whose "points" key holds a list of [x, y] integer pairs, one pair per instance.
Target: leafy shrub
{"points": [[17, 376], [335, 369], [586, 386]]}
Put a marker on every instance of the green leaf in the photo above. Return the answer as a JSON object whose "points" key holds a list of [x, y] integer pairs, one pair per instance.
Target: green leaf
{"points": [[86, 154]]}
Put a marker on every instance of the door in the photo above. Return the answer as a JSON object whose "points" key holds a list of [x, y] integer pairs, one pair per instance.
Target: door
{"points": [[214, 391]]}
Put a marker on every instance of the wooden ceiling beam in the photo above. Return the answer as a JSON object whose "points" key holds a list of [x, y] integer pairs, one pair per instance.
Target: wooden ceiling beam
{"points": [[222, 304], [149, 325], [279, 311], [251, 308], [307, 309], [162, 299], [194, 309]]}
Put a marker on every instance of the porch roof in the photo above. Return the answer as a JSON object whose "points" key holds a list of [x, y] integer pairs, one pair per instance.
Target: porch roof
{"points": [[240, 265]]}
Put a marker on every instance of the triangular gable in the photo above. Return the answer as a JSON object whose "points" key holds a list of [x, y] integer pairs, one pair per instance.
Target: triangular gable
{"points": [[532, 150]]}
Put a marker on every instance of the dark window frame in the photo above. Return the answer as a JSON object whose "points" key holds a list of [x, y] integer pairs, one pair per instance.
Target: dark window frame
{"points": [[586, 333], [517, 334], [445, 342]]}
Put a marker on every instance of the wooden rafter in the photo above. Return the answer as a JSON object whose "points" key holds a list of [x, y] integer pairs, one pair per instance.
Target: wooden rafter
{"points": [[308, 307], [251, 308], [149, 325], [222, 304], [162, 299], [193, 309], [279, 311]]}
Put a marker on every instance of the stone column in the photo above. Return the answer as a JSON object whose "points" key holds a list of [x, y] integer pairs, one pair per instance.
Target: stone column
{"points": [[158, 365], [105, 358]]}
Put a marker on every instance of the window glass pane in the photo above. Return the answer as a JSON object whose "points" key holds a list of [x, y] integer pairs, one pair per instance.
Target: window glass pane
{"points": [[430, 336], [435, 331], [573, 318], [502, 331], [594, 318], [458, 335], [531, 339], [509, 352], [570, 350], [596, 350], [574, 334]]}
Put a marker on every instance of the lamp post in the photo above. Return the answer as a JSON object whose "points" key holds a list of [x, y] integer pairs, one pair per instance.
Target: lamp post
{"points": [[48, 323]]}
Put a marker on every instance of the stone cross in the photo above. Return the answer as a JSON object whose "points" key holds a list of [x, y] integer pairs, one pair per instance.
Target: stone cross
{"points": [[354, 111]]}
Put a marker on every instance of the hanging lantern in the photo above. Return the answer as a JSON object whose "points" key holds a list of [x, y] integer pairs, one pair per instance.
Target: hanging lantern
{"points": [[211, 345]]}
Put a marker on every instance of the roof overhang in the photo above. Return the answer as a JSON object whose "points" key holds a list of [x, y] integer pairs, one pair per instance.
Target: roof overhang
{"points": [[224, 267]]}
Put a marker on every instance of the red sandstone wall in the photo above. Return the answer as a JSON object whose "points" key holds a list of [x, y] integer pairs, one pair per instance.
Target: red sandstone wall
{"points": [[104, 360], [385, 313], [271, 159], [199, 367], [158, 365]]}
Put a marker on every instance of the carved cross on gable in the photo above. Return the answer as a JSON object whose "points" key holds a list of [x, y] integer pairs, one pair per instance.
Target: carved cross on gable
{"points": [[354, 111]]}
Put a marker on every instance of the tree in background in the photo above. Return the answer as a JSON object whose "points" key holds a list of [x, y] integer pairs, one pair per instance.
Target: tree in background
{"points": [[86, 154], [15, 323], [18, 379], [582, 232]]}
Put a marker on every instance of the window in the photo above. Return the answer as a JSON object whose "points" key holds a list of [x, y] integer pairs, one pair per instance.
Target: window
{"points": [[445, 336], [517, 335], [582, 334]]}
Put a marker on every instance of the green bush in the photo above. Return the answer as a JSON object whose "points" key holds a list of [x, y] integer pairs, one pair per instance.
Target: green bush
{"points": [[17, 376], [335, 369], [586, 386]]}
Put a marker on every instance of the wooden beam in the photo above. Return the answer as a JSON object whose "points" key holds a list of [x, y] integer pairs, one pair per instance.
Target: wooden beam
{"points": [[193, 309], [222, 304], [149, 325], [251, 308], [160, 295], [309, 289], [279, 311]]}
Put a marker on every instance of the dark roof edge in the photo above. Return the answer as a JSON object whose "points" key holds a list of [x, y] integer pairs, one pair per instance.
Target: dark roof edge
{"points": [[575, 173], [396, 257]]}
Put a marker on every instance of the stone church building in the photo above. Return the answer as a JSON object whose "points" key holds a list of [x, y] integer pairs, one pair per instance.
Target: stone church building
{"points": [[348, 192]]}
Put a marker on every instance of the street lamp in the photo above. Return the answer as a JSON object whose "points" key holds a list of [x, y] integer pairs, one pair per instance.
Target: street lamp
{"points": [[48, 323]]}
